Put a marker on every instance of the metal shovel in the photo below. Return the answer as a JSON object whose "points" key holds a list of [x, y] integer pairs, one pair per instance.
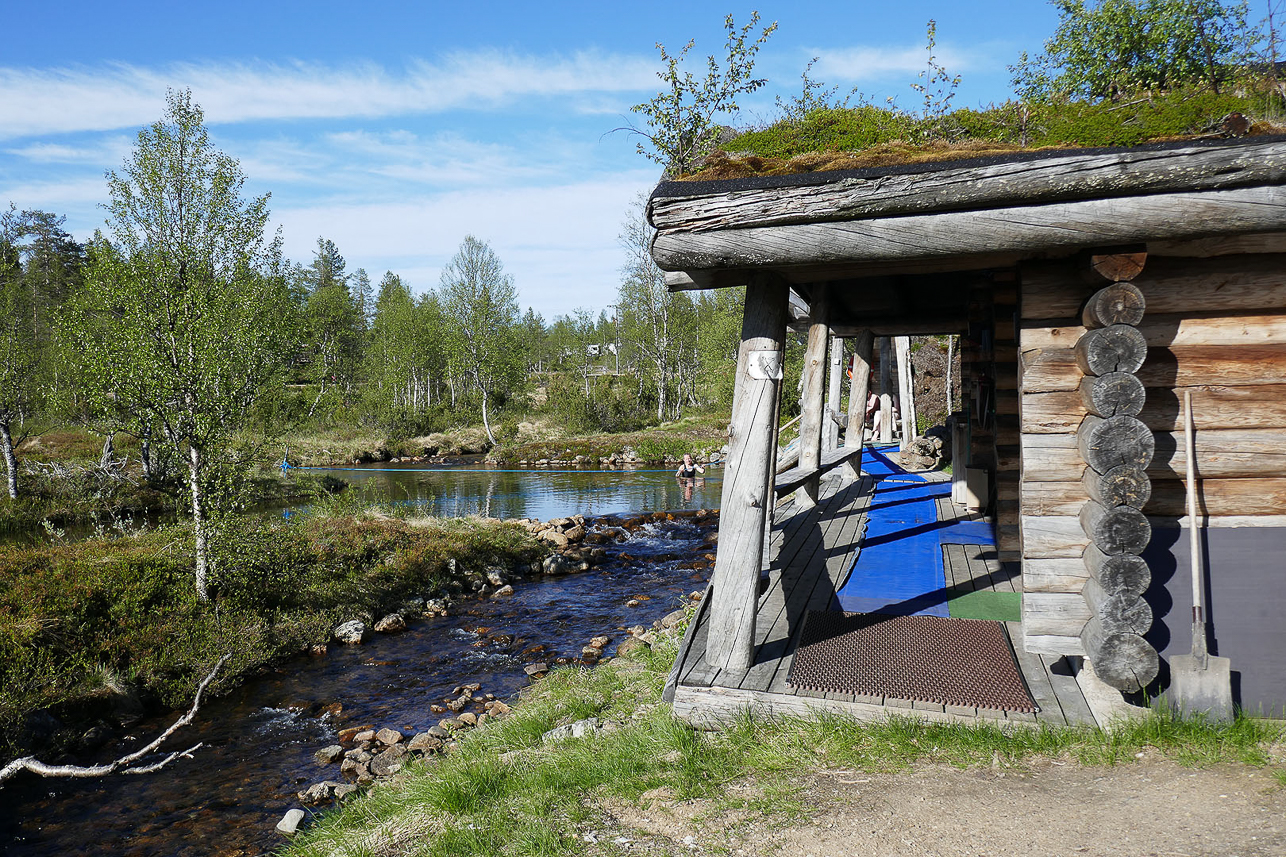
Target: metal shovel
{"points": [[1199, 683]]}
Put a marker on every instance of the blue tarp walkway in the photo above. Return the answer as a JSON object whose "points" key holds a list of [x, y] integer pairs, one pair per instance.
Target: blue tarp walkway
{"points": [[899, 568]]}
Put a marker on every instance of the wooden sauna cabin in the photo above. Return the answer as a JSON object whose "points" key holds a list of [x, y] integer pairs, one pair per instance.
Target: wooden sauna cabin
{"points": [[1091, 289]]}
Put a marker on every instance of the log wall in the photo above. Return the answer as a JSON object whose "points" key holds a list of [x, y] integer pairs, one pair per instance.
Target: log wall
{"points": [[1214, 325]]}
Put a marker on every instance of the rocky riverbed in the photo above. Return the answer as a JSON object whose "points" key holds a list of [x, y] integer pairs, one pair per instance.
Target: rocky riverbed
{"points": [[446, 661]]}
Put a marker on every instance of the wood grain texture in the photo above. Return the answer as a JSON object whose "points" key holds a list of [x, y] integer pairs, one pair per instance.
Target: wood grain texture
{"points": [[1115, 441], [1066, 575], [746, 495], [1069, 176], [1055, 290], [1221, 454], [1113, 394], [1115, 348], [1115, 530], [1054, 613], [811, 396], [1261, 406], [1024, 228], [1176, 329], [1053, 537], [1117, 574], [1125, 661], [1117, 267], [1123, 485], [1119, 303], [859, 387], [1118, 612]]}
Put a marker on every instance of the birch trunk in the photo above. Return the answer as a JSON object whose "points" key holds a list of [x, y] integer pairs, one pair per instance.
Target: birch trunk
{"points": [[196, 464], [10, 460]]}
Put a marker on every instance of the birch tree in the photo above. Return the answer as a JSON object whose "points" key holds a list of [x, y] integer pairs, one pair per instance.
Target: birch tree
{"points": [[659, 325], [192, 297], [480, 300], [18, 356]]}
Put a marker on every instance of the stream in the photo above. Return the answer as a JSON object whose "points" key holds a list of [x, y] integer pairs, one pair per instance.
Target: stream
{"points": [[260, 738]]}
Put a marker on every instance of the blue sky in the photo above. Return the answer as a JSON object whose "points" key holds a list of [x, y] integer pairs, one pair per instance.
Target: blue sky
{"points": [[395, 129]]}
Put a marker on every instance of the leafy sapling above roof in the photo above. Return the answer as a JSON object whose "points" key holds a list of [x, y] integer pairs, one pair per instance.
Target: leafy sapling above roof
{"points": [[1117, 74]]}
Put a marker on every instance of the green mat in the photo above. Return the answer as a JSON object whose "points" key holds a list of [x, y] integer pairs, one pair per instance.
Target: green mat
{"points": [[998, 606]]}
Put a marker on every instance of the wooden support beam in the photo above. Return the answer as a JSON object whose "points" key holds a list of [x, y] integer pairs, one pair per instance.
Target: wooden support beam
{"points": [[834, 378], [699, 206], [1018, 229], [859, 389], [886, 390], [811, 397], [748, 475], [906, 389]]}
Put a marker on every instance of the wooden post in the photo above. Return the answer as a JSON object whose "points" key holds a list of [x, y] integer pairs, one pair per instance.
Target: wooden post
{"points": [[834, 378], [748, 475], [886, 389], [859, 388], [810, 399], [906, 389]]}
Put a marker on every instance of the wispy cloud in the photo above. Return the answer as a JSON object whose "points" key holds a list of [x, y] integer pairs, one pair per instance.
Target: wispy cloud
{"points": [[873, 63], [97, 98], [106, 150]]}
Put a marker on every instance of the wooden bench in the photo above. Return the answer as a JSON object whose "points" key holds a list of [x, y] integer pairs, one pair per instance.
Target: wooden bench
{"points": [[789, 480]]}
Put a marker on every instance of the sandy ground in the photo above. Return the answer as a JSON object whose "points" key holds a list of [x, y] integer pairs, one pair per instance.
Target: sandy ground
{"points": [[1149, 807]]}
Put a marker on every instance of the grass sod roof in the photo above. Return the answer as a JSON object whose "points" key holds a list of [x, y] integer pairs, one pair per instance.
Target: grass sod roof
{"points": [[869, 137]]}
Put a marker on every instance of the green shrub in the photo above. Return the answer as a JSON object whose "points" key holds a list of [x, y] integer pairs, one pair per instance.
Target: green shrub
{"points": [[76, 619]]}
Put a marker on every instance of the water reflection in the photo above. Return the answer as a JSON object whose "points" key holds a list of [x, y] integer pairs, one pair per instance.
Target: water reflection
{"points": [[544, 494]]}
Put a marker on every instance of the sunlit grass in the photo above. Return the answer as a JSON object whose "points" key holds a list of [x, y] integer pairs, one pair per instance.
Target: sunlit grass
{"points": [[502, 790]]}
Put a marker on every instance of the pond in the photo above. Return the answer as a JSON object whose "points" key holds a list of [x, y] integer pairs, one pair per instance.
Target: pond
{"points": [[260, 738], [453, 492]]}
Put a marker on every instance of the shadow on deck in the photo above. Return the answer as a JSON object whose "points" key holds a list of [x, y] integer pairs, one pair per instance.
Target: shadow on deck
{"points": [[812, 552]]}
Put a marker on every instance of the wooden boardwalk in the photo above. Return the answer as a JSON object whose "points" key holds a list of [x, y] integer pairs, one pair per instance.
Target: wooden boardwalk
{"points": [[811, 553]]}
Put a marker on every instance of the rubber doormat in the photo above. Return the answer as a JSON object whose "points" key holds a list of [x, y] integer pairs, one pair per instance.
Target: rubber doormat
{"points": [[962, 662]]}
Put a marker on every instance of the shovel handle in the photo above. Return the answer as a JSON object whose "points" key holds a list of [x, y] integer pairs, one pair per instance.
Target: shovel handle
{"points": [[1199, 650]]}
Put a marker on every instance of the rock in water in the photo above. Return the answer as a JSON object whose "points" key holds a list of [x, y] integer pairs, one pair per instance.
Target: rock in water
{"points": [[388, 737], [330, 754], [393, 623], [289, 824], [351, 632]]}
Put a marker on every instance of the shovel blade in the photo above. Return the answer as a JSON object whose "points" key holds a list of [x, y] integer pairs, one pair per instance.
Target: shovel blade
{"points": [[1207, 691]]}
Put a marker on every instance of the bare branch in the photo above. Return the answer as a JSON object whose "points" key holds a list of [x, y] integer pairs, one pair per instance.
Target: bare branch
{"points": [[124, 763]]}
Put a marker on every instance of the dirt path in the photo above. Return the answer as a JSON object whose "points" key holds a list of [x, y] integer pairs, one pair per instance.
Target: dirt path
{"points": [[1149, 807]]}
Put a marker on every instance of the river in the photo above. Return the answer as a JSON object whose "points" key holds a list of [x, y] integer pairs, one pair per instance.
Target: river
{"points": [[260, 738]]}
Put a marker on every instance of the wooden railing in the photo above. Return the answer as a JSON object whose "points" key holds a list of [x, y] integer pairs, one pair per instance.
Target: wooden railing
{"points": [[789, 480]]}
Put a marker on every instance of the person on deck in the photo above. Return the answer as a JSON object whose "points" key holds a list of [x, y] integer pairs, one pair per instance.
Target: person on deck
{"points": [[688, 469], [874, 412]]}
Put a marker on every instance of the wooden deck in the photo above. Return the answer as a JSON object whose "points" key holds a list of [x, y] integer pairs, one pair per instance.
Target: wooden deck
{"points": [[812, 551]]}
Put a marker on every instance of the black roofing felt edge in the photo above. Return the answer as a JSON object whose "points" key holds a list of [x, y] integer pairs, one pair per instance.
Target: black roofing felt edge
{"points": [[671, 189]]}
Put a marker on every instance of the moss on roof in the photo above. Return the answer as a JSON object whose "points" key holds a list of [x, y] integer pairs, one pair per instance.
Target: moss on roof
{"points": [[870, 136]]}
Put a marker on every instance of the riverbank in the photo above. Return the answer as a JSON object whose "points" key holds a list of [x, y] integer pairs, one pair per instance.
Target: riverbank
{"points": [[523, 443], [591, 761], [95, 633]]}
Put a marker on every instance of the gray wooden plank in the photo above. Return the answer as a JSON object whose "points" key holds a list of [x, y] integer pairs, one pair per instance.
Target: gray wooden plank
{"points": [[842, 547], [1036, 676], [1075, 709], [808, 587], [798, 580]]}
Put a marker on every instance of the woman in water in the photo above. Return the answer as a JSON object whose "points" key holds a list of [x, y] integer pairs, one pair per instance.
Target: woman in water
{"points": [[688, 469]]}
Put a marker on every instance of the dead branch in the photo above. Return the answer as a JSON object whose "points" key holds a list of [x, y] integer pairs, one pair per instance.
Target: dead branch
{"points": [[125, 763]]}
